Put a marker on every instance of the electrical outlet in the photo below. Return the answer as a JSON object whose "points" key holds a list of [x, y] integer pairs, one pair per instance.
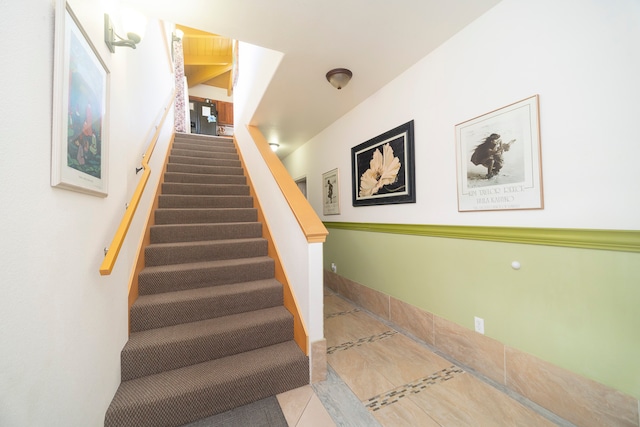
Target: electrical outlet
{"points": [[479, 324], [334, 268]]}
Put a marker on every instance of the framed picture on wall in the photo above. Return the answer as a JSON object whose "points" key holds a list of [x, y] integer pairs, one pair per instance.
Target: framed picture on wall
{"points": [[499, 159], [330, 193], [383, 168], [79, 147]]}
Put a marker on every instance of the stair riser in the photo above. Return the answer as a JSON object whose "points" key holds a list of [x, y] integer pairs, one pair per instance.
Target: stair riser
{"points": [[209, 170], [162, 357], [169, 281], [194, 233], [180, 254], [149, 313], [194, 138], [203, 154], [221, 147], [191, 178], [204, 161], [198, 216], [168, 202], [226, 144], [205, 189]]}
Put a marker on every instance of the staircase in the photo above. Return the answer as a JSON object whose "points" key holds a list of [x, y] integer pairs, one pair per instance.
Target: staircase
{"points": [[209, 331]]}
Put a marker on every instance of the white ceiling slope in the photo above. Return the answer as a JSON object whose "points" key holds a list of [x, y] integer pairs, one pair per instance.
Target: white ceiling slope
{"points": [[376, 39]]}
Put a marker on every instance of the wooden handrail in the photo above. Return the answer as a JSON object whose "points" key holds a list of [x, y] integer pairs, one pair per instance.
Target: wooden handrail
{"points": [[311, 226], [116, 244]]}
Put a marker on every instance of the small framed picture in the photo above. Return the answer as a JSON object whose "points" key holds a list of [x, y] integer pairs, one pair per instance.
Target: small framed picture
{"points": [[330, 193], [499, 159], [383, 168], [79, 146]]}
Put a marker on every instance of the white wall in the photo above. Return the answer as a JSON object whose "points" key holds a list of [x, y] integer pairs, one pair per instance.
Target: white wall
{"points": [[302, 261], [211, 92], [581, 57], [62, 325]]}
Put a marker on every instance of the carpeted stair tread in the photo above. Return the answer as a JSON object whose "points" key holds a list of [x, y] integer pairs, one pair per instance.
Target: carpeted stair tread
{"points": [[220, 145], [197, 152], [176, 277], [194, 392], [205, 189], [196, 178], [192, 305], [188, 252], [177, 201], [163, 349], [169, 233], [209, 170], [205, 215], [205, 161]]}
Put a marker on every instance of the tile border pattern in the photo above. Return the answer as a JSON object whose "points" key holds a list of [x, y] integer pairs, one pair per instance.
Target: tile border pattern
{"points": [[364, 340], [392, 396]]}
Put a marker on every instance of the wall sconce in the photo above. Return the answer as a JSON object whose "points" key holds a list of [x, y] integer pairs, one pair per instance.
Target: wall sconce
{"points": [[339, 77], [134, 25], [177, 35], [274, 146]]}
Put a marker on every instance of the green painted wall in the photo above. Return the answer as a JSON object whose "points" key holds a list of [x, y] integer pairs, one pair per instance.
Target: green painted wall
{"points": [[576, 308]]}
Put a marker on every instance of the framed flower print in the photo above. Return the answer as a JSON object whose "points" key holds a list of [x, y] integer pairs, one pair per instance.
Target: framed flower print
{"points": [[383, 168]]}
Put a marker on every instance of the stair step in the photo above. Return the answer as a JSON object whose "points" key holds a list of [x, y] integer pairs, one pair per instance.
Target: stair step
{"points": [[192, 305], [205, 161], [188, 252], [196, 232], [199, 391], [169, 201], [156, 350], [207, 145], [195, 178], [205, 189], [201, 169], [195, 152], [202, 138], [204, 215], [178, 277]]}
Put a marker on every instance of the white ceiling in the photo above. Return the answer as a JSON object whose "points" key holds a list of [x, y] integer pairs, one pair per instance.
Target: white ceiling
{"points": [[376, 39]]}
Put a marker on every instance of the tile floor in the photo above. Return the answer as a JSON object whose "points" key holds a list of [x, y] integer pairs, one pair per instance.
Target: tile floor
{"points": [[377, 376]]}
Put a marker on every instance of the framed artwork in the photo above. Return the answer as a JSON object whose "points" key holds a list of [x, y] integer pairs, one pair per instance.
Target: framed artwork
{"points": [[383, 168], [79, 146], [499, 159], [330, 193]]}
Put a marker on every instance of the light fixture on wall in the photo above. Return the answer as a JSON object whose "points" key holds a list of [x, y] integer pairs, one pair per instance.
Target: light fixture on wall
{"points": [[274, 146], [177, 35], [134, 25], [339, 77]]}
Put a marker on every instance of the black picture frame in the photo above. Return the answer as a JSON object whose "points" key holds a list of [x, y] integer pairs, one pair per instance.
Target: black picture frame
{"points": [[383, 168]]}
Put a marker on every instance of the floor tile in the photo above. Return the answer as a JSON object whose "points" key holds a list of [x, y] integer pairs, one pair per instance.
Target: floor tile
{"points": [[356, 371], [315, 415], [402, 414], [464, 400], [294, 402], [401, 360]]}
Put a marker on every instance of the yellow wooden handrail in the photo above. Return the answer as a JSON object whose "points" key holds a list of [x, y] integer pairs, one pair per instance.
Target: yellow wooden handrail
{"points": [[311, 226], [114, 249]]}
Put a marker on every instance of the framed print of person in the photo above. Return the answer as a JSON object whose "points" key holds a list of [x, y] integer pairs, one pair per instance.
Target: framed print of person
{"points": [[330, 193], [498, 159]]}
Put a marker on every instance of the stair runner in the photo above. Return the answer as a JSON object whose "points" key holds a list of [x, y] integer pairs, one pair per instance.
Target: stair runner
{"points": [[209, 331]]}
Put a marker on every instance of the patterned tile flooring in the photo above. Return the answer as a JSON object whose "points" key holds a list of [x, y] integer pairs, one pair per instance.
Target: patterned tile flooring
{"points": [[379, 376]]}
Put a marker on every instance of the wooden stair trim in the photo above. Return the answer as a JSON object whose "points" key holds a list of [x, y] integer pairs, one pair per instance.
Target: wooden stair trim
{"points": [[300, 334]]}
